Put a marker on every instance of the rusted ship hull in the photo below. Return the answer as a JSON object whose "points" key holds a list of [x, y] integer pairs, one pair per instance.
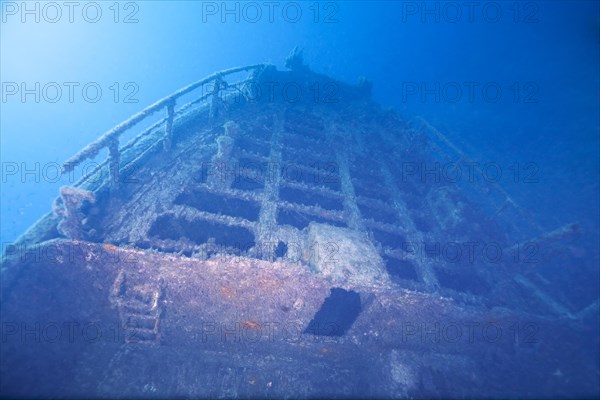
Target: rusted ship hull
{"points": [[260, 247]]}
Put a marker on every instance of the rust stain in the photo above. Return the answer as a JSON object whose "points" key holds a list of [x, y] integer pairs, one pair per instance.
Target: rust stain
{"points": [[109, 247], [250, 324], [227, 292], [119, 281]]}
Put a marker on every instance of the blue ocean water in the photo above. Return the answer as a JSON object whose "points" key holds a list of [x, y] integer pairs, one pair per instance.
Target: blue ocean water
{"points": [[515, 85], [542, 56]]}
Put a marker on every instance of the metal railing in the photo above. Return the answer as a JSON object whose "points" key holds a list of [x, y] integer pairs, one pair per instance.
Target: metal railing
{"points": [[111, 138]]}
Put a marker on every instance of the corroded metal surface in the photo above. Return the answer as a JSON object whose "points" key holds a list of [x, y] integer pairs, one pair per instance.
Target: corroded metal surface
{"points": [[206, 269], [142, 323]]}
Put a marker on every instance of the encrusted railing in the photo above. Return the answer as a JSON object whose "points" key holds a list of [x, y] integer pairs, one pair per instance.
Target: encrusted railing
{"points": [[111, 138]]}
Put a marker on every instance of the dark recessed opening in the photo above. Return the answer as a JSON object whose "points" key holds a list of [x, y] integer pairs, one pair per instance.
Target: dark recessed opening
{"points": [[306, 118], [281, 250], [254, 163], [361, 168], [423, 224], [219, 204], [411, 178], [400, 269], [412, 201], [200, 231], [251, 175], [301, 142], [462, 281], [310, 199], [388, 239], [305, 125], [301, 220], [254, 146], [320, 174], [310, 160], [407, 186], [336, 315], [377, 214], [259, 133], [247, 183], [312, 132]]}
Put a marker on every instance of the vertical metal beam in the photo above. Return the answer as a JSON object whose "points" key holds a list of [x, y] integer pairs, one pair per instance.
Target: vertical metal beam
{"points": [[114, 156], [350, 207], [267, 220], [169, 126], [215, 105]]}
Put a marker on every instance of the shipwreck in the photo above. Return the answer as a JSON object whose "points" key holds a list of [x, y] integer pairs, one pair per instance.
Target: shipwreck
{"points": [[272, 234]]}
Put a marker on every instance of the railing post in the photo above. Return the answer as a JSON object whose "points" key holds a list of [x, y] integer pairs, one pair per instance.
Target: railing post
{"points": [[215, 105], [113, 162], [169, 126]]}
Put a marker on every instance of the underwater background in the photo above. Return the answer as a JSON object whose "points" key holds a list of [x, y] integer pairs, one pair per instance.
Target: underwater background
{"points": [[543, 56], [515, 84]]}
